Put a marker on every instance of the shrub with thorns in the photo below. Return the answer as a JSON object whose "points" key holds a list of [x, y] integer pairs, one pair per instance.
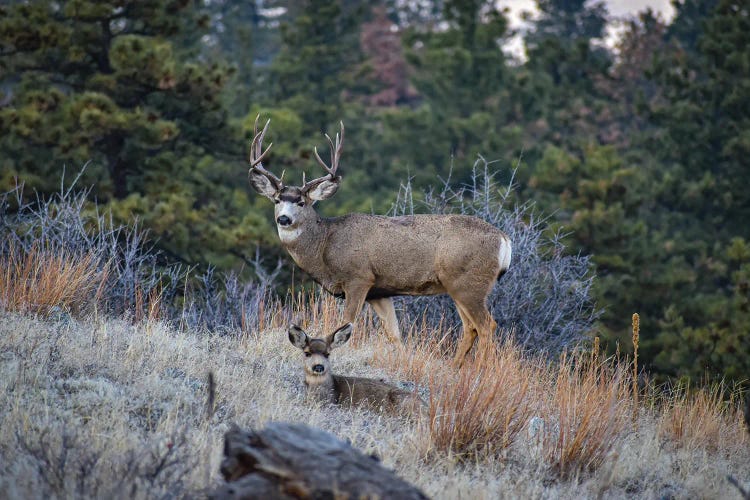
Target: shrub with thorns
{"points": [[545, 296], [48, 246]]}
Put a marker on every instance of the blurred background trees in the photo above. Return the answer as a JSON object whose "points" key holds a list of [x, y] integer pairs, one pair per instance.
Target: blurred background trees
{"points": [[635, 149]]}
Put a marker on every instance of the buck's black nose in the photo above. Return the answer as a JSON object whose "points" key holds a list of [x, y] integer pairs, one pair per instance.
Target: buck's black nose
{"points": [[318, 368], [283, 220]]}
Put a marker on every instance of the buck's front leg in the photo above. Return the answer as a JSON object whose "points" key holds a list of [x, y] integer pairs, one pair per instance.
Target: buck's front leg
{"points": [[355, 294]]}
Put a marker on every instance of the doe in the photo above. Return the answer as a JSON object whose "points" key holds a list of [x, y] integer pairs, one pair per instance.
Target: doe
{"points": [[324, 386]]}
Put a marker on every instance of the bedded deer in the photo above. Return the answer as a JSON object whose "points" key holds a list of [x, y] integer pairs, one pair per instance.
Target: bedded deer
{"points": [[324, 386], [373, 258]]}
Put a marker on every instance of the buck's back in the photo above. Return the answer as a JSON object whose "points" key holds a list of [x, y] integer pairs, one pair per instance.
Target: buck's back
{"points": [[407, 254]]}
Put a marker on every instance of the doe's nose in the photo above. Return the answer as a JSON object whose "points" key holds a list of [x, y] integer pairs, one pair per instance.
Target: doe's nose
{"points": [[283, 220], [318, 368]]}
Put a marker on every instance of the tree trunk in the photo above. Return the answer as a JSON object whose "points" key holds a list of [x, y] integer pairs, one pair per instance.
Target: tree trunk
{"points": [[287, 461]]}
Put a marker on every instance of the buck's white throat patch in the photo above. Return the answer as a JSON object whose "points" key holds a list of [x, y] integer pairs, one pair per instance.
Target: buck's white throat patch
{"points": [[289, 234]]}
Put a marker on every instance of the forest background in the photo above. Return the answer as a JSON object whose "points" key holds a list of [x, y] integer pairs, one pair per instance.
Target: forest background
{"points": [[637, 151]]}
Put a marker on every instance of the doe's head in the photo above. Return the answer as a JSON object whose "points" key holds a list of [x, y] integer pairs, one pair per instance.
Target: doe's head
{"points": [[316, 350]]}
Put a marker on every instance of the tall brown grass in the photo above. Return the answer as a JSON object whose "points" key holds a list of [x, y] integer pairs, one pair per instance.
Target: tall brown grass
{"points": [[707, 418], [422, 356], [38, 280], [483, 408], [321, 313], [590, 411]]}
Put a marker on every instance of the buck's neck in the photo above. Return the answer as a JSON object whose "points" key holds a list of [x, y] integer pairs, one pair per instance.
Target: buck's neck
{"points": [[305, 242], [320, 388]]}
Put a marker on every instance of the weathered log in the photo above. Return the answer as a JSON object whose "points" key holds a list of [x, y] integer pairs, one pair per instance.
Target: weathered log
{"points": [[287, 461]]}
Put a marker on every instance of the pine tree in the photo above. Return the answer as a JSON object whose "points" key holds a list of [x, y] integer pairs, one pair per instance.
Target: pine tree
{"points": [[107, 83]]}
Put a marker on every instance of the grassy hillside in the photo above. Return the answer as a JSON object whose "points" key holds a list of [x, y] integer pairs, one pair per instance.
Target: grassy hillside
{"points": [[106, 408]]}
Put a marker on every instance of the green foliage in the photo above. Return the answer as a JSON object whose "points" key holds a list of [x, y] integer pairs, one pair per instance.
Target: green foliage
{"points": [[639, 156], [104, 83], [715, 344], [702, 148], [310, 73], [466, 88]]}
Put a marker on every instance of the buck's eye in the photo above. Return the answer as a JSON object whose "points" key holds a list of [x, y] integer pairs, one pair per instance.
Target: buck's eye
{"points": [[277, 201], [300, 203]]}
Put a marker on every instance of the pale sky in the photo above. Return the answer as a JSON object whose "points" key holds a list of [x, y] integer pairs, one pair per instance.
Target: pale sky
{"points": [[616, 8]]}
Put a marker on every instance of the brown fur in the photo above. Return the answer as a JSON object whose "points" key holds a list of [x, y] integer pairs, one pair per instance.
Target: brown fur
{"points": [[326, 387], [373, 258]]}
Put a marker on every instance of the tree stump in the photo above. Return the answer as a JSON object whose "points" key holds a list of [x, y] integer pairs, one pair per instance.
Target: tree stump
{"points": [[287, 461]]}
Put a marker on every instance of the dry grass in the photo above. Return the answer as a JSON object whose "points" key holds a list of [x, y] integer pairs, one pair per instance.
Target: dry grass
{"points": [[481, 410], [704, 419], [590, 408], [418, 359], [95, 408], [40, 280]]}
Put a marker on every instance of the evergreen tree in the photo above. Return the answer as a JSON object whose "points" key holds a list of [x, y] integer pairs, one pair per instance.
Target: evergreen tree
{"points": [[463, 80], [101, 82], [703, 146], [558, 82], [314, 67]]}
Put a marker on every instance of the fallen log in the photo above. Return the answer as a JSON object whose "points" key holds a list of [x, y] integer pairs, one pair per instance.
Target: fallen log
{"points": [[287, 461]]}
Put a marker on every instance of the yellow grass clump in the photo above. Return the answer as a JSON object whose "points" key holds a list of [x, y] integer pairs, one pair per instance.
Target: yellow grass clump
{"points": [[39, 280], [590, 411], [482, 409], [702, 418]]}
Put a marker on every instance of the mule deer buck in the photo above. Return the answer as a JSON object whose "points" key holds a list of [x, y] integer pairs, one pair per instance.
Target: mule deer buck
{"points": [[373, 258], [324, 386]]}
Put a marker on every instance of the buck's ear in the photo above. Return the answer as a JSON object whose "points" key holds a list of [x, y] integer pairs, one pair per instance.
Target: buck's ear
{"points": [[340, 336], [325, 189], [263, 184], [297, 336]]}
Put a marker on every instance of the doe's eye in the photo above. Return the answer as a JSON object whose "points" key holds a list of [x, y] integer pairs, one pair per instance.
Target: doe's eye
{"points": [[308, 354], [277, 201]]}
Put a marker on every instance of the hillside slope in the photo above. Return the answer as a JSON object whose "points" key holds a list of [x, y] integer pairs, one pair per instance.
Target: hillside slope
{"points": [[107, 409]]}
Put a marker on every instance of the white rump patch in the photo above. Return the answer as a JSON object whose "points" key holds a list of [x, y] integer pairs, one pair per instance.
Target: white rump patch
{"points": [[504, 254]]}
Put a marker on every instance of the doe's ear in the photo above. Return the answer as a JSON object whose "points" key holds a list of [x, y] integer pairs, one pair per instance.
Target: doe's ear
{"points": [[340, 336], [297, 336], [325, 189], [263, 184]]}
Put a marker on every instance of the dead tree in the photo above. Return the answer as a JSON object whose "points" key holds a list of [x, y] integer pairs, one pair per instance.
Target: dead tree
{"points": [[287, 461]]}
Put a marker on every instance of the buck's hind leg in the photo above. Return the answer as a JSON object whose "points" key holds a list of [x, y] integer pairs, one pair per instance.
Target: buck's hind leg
{"points": [[387, 314], [477, 320], [485, 326], [468, 335]]}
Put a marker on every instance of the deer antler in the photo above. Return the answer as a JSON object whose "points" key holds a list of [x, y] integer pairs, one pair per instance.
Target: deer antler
{"points": [[335, 157], [257, 154]]}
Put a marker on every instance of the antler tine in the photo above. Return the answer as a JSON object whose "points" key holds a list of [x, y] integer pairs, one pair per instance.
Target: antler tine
{"points": [[257, 145], [335, 153], [257, 153]]}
